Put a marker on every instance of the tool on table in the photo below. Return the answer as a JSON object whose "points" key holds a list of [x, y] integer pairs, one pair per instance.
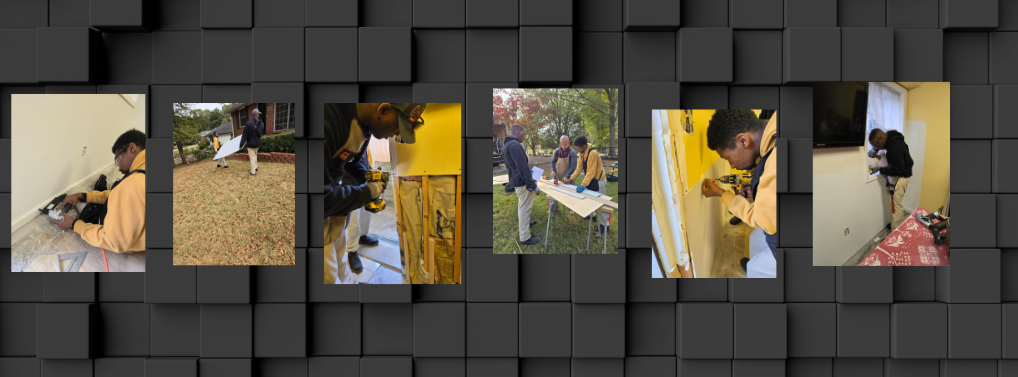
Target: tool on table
{"points": [[737, 180], [935, 228], [53, 209], [75, 258], [613, 173], [377, 175]]}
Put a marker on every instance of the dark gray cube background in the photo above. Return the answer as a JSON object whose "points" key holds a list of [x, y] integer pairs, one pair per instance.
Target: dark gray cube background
{"points": [[478, 45]]}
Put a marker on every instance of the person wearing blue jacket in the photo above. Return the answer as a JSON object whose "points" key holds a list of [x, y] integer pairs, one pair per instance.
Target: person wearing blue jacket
{"points": [[254, 129], [520, 177]]}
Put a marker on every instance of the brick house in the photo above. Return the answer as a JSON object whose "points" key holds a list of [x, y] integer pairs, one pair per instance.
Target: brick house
{"points": [[278, 117]]}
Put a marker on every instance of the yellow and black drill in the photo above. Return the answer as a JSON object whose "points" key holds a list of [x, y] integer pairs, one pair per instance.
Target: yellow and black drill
{"points": [[737, 180], [378, 204]]}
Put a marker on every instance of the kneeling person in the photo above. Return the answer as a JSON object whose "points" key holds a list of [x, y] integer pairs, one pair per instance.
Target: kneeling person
{"points": [[121, 226]]}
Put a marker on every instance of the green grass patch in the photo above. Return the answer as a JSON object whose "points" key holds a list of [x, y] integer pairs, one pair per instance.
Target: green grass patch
{"points": [[229, 217], [569, 235]]}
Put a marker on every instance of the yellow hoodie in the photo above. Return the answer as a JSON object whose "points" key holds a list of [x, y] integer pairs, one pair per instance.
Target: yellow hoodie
{"points": [[594, 167], [762, 213], [123, 230]]}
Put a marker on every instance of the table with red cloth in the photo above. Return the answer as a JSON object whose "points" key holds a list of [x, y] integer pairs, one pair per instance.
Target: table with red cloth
{"points": [[911, 244]]}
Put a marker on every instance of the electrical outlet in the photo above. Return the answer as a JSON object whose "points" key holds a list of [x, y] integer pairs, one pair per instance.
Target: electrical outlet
{"points": [[846, 231], [83, 150]]}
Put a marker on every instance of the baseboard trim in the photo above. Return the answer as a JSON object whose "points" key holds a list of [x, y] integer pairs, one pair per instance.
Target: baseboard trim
{"points": [[24, 218]]}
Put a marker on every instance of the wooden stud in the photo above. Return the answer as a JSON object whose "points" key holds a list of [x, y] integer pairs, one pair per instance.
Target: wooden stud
{"points": [[430, 259], [426, 233], [459, 225]]}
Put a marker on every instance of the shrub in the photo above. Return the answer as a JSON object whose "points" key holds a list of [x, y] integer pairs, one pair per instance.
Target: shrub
{"points": [[282, 143]]}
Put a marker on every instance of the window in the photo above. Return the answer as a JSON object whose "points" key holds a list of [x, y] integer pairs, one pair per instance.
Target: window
{"points": [[241, 117], [286, 115], [886, 111]]}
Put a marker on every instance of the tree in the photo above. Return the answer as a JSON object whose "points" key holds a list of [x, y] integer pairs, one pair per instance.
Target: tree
{"points": [[186, 125], [547, 114]]}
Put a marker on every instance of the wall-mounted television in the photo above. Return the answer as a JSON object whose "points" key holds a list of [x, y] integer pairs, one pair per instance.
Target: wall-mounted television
{"points": [[839, 114]]}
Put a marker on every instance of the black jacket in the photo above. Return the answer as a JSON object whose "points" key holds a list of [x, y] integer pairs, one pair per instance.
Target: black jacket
{"points": [[899, 161], [340, 198], [253, 132], [519, 167]]}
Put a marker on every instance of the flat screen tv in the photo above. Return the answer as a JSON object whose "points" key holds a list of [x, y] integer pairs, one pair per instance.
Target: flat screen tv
{"points": [[839, 114]]}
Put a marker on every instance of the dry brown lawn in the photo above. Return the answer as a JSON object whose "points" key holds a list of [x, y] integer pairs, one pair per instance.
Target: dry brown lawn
{"points": [[229, 217]]}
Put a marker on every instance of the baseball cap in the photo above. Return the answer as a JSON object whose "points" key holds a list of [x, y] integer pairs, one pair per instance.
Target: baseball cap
{"points": [[256, 111], [409, 115]]}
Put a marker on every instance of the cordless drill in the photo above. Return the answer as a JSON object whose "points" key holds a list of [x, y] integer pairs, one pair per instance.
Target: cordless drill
{"points": [[935, 228], [378, 204], [736, 180]]}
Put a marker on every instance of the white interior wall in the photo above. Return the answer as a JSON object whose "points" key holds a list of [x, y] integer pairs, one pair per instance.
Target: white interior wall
{"points": [[49, 132], [843, 199], [703, 220]]}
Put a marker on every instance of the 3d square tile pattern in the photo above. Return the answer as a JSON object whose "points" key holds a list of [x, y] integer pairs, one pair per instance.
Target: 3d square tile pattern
{"points": [[289, 324]]}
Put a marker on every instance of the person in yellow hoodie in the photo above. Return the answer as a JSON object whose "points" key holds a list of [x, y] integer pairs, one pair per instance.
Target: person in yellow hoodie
{"points": [[747, 143], [215, 146], [122, 229], [594, 177]]}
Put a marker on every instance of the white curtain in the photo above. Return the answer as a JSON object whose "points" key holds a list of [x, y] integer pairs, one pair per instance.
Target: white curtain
{"points": [[884, 111]]}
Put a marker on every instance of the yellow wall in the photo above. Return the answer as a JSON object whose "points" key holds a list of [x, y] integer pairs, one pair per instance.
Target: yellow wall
{"points": [[699, 158], [931, 103], [438, 149]]}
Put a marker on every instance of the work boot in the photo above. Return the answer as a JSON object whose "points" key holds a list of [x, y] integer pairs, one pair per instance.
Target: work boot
{"points": [[600, 228], [533, 222], [355, 262], [744, 262], [532, 241], [226, 166], [735, 221], [368, 240]]}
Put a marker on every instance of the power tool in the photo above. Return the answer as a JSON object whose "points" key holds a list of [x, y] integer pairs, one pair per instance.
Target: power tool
{"points": [[613, 173], [378, 204], [53, 208], [935, 228], [737, 180]]}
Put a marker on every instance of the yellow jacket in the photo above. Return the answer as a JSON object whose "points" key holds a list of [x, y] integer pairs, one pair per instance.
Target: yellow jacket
{"points": [[595, 169], [215, 143], [123, 230], [762, 213]]}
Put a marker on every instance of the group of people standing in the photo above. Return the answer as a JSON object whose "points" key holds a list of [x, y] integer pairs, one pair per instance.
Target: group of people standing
{"points": [[563, 168]]}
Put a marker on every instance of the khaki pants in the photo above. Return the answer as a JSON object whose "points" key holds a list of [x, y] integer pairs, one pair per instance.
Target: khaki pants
{"points": [[337, 268], [253, 154], [360, 221], [899, 209], [525, 205], [222, 161]]}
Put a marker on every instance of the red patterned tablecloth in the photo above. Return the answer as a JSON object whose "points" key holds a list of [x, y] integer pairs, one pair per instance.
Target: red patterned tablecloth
{"points": [[911, 244]]}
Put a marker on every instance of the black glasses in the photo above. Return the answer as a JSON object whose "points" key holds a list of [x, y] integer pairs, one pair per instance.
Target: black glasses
{"points": [[116, 157]]}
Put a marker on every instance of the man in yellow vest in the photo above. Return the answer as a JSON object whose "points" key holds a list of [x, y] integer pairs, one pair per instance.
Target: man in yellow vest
{"points": [[215, 145]]}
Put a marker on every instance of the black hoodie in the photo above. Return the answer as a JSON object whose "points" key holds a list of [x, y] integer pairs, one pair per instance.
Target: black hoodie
{"points": [[899, 161], [519, 167], [342, 199]]}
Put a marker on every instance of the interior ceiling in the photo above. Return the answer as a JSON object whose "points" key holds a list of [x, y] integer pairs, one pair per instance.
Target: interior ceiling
{"points": [[910, 85]]}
